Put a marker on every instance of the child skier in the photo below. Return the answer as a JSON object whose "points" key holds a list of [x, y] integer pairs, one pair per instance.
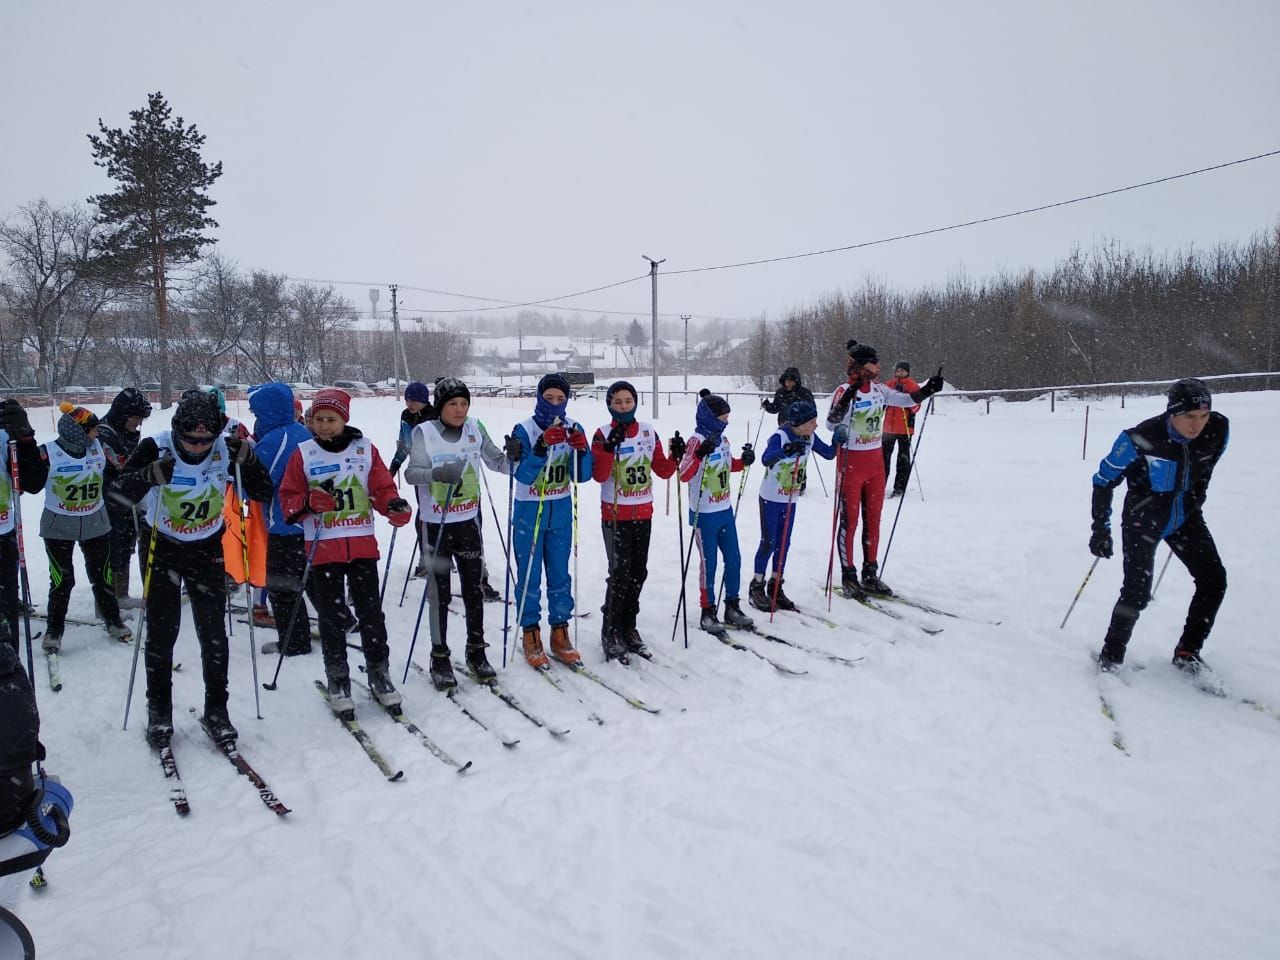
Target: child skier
{"points": [[74, 512], [899, 425], [551, 453], [707, 464], [1168, 462], [32, 470], [784, 459], [183, 473], [625, 454], [417, 409], [332, 485], [119, 433], [444, 464], [857, 416]]}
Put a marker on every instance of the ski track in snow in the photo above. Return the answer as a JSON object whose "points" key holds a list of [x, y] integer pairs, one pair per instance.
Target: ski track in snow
{"points": [[952, 796]]}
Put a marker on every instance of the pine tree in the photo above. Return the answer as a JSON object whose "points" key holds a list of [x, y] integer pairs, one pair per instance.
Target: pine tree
{"points": [[156, 217]]}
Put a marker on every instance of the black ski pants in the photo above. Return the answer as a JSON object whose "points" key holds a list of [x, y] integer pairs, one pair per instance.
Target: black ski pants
{"points": [[461, 544], [1193, 545], [331, 581], [124, 543], [10, 595], [286, 567], [62, 577], [626, 544], [903, 442], [197, 564]]}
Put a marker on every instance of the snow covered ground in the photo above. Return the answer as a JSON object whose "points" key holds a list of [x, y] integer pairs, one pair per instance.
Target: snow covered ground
{"points": [[953, 796]]}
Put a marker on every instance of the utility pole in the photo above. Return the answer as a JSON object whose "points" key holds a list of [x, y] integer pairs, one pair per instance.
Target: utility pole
{"points": [[520, 355], [685, 317], [653, 277], [398, 345]]}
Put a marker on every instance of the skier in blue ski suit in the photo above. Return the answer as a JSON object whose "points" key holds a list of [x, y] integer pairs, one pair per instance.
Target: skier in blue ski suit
{"points": [[554, 454]]}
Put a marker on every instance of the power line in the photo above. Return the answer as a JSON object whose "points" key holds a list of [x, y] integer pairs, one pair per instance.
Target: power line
{"points": [[974, 223]]}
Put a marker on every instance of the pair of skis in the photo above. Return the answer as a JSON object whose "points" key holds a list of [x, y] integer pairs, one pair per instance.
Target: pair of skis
{"points": [[178, 793]]}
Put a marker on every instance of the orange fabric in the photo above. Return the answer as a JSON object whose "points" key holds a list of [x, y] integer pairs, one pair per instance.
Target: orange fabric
{"points": [[233, 550], [895, 418]]}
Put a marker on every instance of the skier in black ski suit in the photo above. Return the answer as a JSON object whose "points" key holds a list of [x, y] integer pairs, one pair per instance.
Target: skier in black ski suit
{"points": [[119, 432], [790, 390], [1168, 461]]}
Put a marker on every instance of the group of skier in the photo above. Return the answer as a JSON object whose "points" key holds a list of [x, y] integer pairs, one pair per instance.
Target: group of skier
{"points": [[319, 484]]}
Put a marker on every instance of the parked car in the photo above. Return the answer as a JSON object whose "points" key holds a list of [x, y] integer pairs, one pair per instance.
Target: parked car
{"points": [[153, 386], [356, 388], [74, 388]]}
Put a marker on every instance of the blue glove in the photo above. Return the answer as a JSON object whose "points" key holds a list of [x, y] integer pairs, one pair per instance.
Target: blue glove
{"points": [[840, 435]]}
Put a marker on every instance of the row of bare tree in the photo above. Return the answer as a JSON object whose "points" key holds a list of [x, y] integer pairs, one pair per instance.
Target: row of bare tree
{"points": [[1107, 314]]}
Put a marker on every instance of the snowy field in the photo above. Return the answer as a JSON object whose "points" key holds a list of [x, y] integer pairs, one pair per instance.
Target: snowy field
{"points": [[954, 795]]}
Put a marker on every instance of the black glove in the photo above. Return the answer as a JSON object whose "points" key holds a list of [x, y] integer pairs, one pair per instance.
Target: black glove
{"points": [[14, 419], [615, 437], [160, 472], [540, 448], [511, 447], [675, 447], [707, 447], [841, 407], [239, 450], [398, 505], [748, 455], [764, 403], [1100, 544], [931, 386], [450, 472], [794, 448]]}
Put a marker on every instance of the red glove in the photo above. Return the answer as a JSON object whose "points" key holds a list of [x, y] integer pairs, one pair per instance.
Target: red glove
{"points": [[578, 440], [321, 501], [399, 512], [553, 435]]}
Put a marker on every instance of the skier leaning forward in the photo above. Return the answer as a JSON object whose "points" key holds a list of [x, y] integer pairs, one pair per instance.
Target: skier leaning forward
{"points": [[857, 418], [445, 459]]}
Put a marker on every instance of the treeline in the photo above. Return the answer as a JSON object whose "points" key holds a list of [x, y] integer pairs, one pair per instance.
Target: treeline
{"points": [[1101, 315]]}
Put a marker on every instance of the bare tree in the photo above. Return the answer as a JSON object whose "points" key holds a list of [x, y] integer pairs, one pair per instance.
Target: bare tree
{"points": [[318, 333]]}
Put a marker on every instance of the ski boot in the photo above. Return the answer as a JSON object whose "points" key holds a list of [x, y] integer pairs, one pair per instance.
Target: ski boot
{"points": [[532, 642], [479, 664], [734, 617], [159, 725], [780, 598], [488, 594], [52, 642], [561, 647], [340, 701], [420, 571], [871, 581], [757, 596], [441, 671], [1190, 662], [635, 644], [121, 590], [217, 724], [381, 687], [896, 493], [261, 616], [710, 623], [118, 631], [615, 648], [850, 588]]}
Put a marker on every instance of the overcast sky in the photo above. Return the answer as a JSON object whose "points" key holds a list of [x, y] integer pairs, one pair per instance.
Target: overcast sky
{"points": [[526, 150]]}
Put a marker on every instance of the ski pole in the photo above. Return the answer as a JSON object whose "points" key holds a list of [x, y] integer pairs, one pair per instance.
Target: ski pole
{"points": [[413, 555], [919, 483], [429, 588], [611, 593], [683, 605], [821, 479], [742, 486], [248, 587], [575, 552], [15, 482], [141, 622], [837, 504], [391, 552], [1161, 577], [680, 527], [782, 547], [1093, 566], [924, 422], [508, 549], [297, 605]]}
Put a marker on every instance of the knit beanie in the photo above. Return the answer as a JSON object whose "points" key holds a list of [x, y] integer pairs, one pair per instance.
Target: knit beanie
{"points": [[1184, 395], [554, 380], [448, 389], [718, 406], [802, 411], [333, 399], [196, 409], [902, 365], [74, 426], [615, 387], [418, 392]]}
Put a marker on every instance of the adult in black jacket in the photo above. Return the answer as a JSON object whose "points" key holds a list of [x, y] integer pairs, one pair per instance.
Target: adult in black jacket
{"points": [[119, 432], [790, 389], [33, 471], [1167, 461]]}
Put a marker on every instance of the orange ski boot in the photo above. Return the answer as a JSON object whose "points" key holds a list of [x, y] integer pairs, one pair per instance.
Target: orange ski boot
{"points": [[533, 648], [561, 648]]}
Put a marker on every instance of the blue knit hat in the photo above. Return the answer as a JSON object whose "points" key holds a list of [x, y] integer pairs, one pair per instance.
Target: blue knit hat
{"points": [[418, 392], [802, 411], [554, 380]]}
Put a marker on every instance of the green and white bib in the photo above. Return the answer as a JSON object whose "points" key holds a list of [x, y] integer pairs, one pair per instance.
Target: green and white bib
{"points": [[557, 473], [465, 502], [190, 505], [633, 470], [74, 488], [349, 471], [715, 470], [7, 513], [783, 480]]}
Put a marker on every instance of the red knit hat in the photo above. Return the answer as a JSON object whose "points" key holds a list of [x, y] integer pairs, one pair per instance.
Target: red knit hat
{"points": [[333, 399]]}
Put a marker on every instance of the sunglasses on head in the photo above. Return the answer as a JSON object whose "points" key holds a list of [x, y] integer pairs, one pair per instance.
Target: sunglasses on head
{"points": [[191, 441]]}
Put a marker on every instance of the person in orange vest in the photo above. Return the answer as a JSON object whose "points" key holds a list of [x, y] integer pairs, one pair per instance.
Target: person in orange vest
{"points": [[899, 425]]}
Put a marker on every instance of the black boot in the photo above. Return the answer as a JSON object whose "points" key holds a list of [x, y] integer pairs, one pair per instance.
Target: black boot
{"points": [[757, 596], [710, 622], [441, 671], [851, 588], [734, 616], [159, 725], [479, 664], [339, 693], [489, 594], [780, 598], [615, 648], [635, 643], [381, 687], [871, 581], [217, 724]]}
